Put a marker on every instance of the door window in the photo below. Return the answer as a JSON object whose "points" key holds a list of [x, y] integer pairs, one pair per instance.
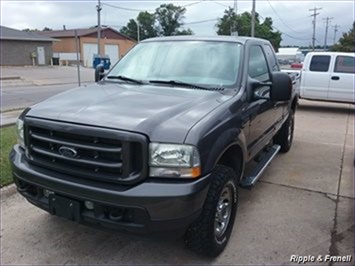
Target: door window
{"points": [[257, 64], [320, 63], [270, 54], [344, 64]]}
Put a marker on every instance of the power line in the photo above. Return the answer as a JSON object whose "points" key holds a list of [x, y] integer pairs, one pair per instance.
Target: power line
{"points": [[290, 36], [194, 3], [149, 10], [281, 18], [216, 2], [200, 21], [127, 9]]}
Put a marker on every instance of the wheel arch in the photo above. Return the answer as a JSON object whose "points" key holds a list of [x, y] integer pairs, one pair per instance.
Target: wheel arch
{"points": [[232, 156], [294, 104]]}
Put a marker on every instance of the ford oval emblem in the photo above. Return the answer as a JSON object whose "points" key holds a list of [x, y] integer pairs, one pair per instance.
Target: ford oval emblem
{"points": [[68, 152]]}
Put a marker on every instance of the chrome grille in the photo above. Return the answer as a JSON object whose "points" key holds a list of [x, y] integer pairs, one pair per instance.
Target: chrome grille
{"points": [[100, 154]]}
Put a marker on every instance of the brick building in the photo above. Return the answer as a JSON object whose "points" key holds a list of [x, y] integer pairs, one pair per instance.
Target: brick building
{"points": [[19, 48], [112, 43]]}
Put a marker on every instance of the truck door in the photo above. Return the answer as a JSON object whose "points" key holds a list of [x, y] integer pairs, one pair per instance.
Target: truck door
{"points": [[315, 78], [262, 118], [341, 85]]}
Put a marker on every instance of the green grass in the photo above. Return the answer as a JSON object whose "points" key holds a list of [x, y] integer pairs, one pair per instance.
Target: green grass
{"points": [[7, 140]]}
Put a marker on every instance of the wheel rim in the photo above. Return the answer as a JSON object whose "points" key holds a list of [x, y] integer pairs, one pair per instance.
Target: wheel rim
{"points": [[223, 211]]}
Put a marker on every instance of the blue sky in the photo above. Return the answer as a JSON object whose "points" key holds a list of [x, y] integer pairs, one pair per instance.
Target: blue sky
{"points": [[290, 17]]}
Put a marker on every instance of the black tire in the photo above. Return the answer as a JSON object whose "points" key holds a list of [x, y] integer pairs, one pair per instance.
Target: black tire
{"points": [[284, 137], [203, 236]]}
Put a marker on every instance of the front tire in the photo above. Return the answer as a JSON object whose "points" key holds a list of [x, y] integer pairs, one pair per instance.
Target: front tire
{"points": [[210, 233], [284, 137]]}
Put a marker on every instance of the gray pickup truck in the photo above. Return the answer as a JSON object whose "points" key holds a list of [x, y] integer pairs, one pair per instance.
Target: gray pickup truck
{"points": [[160, 143]]}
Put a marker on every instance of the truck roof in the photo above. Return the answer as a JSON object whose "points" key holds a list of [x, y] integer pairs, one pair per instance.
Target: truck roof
{"points": [[332, 53], [219, 38]]}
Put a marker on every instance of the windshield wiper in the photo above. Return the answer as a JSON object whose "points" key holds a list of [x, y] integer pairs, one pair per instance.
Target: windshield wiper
{"points": [[176, 82], [126, 79]]}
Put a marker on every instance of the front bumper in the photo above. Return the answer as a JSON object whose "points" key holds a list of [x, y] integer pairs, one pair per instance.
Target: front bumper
{"points": [[151, 206]]}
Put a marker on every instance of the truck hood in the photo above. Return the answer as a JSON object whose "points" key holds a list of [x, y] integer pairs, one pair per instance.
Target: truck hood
{"points": [[163, 113]]}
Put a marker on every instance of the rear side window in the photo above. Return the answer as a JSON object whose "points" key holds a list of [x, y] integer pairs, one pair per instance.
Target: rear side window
{"points": [[258, 68], [320, 63], [344, 64]]}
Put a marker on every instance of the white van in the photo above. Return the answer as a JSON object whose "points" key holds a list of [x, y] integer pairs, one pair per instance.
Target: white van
{"points": [[328, 76]]}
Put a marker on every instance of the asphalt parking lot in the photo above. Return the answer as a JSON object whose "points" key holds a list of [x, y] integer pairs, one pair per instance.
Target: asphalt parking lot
{"points": [[302, 205]]}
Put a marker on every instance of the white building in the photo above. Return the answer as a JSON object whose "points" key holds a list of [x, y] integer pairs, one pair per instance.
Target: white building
{"points": [[289, 55]]}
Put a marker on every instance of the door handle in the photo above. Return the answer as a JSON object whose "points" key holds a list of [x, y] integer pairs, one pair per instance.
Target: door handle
{"points": [[335, 78]]}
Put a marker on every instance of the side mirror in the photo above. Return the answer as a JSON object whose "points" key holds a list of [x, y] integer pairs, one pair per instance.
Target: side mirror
{"points": [[254, 85], [281, 89], [99, 72]]}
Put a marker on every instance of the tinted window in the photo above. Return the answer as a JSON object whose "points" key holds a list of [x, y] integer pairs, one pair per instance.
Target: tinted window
{"points": [[270, 55], [344, 64], [320, 63], [257, 64]]}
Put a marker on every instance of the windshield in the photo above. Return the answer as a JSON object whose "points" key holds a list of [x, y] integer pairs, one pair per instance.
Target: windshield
{"points": [[212, 64]]}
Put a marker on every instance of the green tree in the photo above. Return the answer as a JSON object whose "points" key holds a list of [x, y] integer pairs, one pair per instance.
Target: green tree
{"points": [[170, 19], [30, 30], [184, 32], [34, 30], [346, 42], [226, 24], [241, 23], [147, 26], [265, 31]]}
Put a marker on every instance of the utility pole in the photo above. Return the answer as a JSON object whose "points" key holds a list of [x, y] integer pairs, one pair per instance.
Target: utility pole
{"points": [[77, 56], [253, 20], [138, 33], [335, 33], [98, 8], [314, 15], [327, 19], [233, 29]]}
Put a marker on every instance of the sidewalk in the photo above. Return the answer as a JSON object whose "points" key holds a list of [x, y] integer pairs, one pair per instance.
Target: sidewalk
{"points": [[46, 75]]}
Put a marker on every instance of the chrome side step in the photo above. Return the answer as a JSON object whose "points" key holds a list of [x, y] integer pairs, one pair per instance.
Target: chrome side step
{"points": [[249, 181]]}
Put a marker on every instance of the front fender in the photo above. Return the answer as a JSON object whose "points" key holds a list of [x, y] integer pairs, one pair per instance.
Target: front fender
{"points": [[222, 145], [217, 132]]}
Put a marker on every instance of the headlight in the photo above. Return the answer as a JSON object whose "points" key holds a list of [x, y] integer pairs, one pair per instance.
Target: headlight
{"points": [[19, 129], [174, 160]]}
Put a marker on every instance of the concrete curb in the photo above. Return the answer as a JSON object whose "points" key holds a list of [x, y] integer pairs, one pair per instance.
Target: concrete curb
{"points": [[10, 78], [8, 191]]}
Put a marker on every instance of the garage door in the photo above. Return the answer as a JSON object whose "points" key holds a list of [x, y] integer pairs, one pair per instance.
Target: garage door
{"points": [[113, 51], [89, 50]]}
